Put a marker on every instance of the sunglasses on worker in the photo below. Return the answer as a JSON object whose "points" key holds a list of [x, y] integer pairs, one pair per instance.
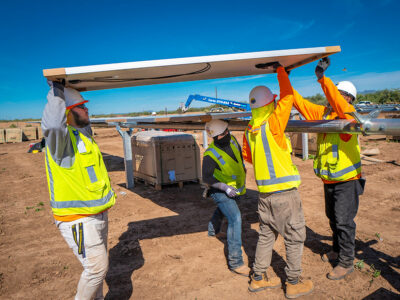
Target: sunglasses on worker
{"points": [[343, 93], [83, 106]]}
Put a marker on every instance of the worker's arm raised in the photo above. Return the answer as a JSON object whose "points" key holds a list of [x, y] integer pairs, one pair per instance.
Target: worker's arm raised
{"points": [[309, 110], [280, 117], [336, 100], [54, 121]]}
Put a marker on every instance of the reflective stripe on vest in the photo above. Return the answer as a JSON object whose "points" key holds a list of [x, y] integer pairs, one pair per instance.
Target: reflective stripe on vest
{"points": [[79, 203], [219, 157], [83, 188], [273, 179], [336, 159], [335, 151], [233, 141], [231, 170], [339, 173], [80, 145], [278, 179], [51, 180]]}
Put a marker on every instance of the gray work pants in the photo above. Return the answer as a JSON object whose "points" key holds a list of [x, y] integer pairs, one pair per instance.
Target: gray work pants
{"points": [[281, 213]]}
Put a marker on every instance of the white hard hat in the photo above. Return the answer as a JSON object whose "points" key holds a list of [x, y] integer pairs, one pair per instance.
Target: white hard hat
{"points": [[347, 87], [260, 96], [73, 98], [216, 127]]}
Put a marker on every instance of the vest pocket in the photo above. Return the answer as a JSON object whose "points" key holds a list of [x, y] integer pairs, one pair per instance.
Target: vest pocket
{"points": [[91, 173]]}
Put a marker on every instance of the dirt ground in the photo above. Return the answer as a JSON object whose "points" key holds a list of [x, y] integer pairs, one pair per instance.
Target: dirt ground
{"points": [[158, 243]]}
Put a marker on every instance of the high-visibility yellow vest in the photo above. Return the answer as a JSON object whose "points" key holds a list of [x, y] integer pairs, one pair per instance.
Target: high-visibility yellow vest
{"points": [[337, 160], [273, 167], [232, 172], [85, 187]]}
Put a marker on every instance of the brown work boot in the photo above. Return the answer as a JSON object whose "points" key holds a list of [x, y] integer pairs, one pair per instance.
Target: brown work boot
{"points": [[301, 288], [330, 256], [262, 282], [339, 272], [243, 270]]}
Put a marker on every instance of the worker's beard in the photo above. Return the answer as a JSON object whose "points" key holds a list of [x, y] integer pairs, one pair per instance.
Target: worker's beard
{"points": [[78, 121]]}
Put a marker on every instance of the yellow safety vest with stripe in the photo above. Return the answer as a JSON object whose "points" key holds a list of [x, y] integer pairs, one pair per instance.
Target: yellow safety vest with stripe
{"points": [[337, 160], [231, 172], [273, 167], [83, 188]]}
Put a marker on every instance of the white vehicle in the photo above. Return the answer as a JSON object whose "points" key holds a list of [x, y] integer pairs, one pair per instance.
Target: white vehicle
{"points": [[364, 103]]}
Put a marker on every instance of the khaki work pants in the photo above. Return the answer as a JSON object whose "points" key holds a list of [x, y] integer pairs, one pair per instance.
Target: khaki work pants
{"points": [[281, 213], [87, 237]]}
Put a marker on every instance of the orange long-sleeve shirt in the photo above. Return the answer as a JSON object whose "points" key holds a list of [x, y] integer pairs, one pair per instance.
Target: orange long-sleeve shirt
{"points": [[313, 111], [279, 118]]}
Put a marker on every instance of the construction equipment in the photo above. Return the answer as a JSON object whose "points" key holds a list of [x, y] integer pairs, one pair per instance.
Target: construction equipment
{"points": [[236, 105]]}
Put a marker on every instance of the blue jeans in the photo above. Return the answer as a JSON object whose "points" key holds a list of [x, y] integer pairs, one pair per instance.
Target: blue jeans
{"points": [[227, 207]]}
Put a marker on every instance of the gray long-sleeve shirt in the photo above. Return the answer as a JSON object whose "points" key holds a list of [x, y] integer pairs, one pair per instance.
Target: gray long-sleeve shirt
{"points": [[54, 127]]}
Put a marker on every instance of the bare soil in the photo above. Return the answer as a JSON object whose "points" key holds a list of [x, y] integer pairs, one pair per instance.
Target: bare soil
{"points": [[158, 243]]}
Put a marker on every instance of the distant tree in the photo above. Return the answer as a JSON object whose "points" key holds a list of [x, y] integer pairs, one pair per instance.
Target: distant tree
{"points": [[317, 99], [381, 97]]}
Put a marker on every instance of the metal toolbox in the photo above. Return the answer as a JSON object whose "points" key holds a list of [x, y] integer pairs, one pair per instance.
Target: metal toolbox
{"points": [[165, 157]]}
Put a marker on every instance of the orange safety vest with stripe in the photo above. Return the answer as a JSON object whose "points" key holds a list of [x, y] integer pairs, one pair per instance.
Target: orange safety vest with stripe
{"points": [[83, 188], [273, 167], [231, 172]]}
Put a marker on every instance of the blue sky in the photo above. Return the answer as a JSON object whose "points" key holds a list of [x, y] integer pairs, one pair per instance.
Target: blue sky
{"points": [[37, 35]]}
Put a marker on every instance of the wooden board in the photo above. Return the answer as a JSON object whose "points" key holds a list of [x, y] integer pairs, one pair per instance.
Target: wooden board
{"points": [[13, 135], [99, 77], [2, 136], [29, 133]]}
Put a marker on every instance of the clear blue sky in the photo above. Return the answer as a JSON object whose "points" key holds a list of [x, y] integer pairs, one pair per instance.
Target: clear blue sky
{"points": [[37, 35]]}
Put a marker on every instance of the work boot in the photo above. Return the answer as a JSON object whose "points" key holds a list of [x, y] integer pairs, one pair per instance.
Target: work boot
{"points": [[301, 288], [243, 270], [262, 282], [330, 256], [339, 272]]}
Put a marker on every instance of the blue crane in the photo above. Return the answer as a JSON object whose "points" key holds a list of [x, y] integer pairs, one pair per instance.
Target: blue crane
{"points": [[229, 103]]}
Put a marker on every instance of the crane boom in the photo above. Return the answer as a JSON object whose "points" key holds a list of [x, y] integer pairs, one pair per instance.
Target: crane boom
{"points": [[229, 103]]}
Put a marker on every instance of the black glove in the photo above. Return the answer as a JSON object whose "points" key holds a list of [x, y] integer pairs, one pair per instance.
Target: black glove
{"points": [[321, 67], [276, 65]]}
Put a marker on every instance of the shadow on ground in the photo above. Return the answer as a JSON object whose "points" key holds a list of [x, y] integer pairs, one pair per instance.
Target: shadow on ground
{"points": [[379, 260], [194, 213]]}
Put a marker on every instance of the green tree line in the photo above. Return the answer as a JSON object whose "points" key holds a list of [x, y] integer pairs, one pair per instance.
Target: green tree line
{"points": [[378, 97]]}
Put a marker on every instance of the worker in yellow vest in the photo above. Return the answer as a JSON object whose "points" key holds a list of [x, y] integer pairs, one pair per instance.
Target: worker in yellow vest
{"points": [[79, 186], [224, 174], [338, 164], [280, 209]]}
